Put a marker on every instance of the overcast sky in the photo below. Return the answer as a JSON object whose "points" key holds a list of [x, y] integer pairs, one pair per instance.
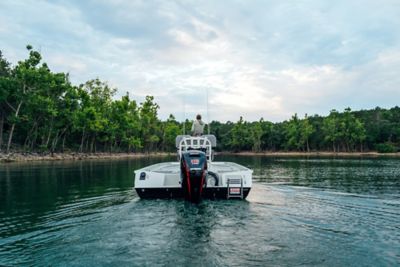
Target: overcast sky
{"points": [[255, 59]]}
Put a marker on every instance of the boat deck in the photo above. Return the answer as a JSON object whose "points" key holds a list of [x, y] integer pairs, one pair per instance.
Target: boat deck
{"points": [[221, 180], [217, 167], [163, 180]]}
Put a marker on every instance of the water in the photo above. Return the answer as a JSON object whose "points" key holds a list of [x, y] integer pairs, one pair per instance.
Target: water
{"points": [[300, 212]]}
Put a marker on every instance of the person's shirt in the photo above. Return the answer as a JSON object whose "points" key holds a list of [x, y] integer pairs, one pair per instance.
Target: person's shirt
{"points": [[197, 127]]}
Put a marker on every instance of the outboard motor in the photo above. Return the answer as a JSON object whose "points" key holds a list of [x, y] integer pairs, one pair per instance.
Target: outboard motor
{"points": [[193, 174]]}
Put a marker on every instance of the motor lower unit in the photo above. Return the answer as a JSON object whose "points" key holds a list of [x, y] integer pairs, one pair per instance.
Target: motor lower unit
{"points": [[193, 174]]}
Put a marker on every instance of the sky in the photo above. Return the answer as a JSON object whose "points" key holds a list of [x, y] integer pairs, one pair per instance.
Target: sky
{"points": [[223, 59]]}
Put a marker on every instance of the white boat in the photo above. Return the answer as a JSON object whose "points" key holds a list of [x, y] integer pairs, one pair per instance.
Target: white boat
{"points": [[195, 175]]}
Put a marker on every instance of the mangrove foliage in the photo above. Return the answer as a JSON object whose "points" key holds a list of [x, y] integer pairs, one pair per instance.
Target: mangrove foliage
{"points": [[42, 111]]}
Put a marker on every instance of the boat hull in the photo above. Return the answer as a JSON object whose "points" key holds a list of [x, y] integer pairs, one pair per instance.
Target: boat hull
{"points": [[164, 180], [208, 193]]}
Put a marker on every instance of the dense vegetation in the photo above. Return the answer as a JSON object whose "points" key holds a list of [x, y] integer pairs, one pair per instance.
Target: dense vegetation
{"points": [[377, 129], [42, 111]]}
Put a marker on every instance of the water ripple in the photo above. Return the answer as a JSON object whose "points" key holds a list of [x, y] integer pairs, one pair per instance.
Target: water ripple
{"points": [[299, 212]]}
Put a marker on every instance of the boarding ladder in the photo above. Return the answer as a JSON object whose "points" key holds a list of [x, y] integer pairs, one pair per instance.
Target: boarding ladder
{"points": [[235, 188]]}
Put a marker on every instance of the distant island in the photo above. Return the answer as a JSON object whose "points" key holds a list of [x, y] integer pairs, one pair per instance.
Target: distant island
{"points": [[42, 112]]}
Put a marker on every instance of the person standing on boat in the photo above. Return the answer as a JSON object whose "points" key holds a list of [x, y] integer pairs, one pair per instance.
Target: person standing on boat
{"points": [[198, 126]]}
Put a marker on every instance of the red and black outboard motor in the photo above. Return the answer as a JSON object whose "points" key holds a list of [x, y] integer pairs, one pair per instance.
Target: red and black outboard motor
{"points": [[193, 174]]}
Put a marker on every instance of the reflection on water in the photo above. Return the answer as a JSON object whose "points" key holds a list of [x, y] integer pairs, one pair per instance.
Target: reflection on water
{"points": [[328, 212], [353, 175]]}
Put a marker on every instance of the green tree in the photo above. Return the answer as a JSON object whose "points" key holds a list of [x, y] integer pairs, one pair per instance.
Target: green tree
{"points": [[67, 106], [5, 73], [351, 130], [293, 133], [239, 136], [170, 130], [256, 135], [97, 111], [42, 110], [26, 78], [316, 139], [124, 128], [330, 129], [306, 130], [273, 135], [222, 132], [150, 127]]}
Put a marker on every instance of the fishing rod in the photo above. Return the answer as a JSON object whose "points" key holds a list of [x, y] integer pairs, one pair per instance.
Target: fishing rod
{"points": [[208, 118], [184, 115]]}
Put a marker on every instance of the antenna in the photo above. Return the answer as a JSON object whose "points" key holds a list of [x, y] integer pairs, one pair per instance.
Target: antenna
{"points": [[208, 118], [184, 115]]}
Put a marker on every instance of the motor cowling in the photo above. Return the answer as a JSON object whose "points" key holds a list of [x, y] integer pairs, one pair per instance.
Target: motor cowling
{"points": [[193, 174]]}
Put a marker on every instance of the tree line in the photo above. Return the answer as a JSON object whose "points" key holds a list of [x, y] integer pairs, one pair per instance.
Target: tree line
{"points": [[348, 131], [42, 111]]}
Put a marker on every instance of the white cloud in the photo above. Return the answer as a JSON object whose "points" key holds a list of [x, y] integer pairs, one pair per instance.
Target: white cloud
{"points": [[67, 64], [255, 60]]}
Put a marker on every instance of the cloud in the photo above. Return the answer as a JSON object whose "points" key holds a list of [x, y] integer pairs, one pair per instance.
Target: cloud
{"points": [[253, 59]]}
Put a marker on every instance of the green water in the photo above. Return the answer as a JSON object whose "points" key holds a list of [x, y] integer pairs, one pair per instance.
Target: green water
{"points": [[300, 212]]}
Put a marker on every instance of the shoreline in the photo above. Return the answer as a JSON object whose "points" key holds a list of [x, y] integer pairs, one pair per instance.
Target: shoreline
{"points": [[29, 157], [311, 154]]}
